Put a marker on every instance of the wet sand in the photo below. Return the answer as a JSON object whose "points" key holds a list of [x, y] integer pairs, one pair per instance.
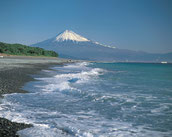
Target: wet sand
{"points": [[14, 73]]}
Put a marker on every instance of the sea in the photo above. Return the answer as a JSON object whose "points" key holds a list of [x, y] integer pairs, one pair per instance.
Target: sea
{"points": [[95, 100]]}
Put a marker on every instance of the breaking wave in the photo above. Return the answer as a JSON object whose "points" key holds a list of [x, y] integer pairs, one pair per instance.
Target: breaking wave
{"points": [[85, 100]]}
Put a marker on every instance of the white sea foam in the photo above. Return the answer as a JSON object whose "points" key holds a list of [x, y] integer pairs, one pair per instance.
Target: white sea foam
{"points": [[83, 75], [57, 86], [39, 131], [77, 65], [46, 71], [74, 102], [63, 81]]}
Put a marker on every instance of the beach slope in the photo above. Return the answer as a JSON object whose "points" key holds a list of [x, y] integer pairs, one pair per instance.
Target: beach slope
{"points": [[15, 71]]}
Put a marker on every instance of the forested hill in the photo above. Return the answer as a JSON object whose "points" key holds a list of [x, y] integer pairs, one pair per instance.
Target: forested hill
{"points": [[19, 49]]}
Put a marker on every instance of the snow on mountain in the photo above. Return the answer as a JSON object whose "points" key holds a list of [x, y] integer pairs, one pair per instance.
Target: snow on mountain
{"points": [[71, 45], [105, 45], [70, 35]]}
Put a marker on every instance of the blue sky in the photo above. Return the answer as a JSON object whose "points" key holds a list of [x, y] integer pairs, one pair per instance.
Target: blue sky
{"points": [[144, 25]]}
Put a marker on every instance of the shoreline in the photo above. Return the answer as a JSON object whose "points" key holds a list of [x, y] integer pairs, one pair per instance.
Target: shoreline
{"points": [[14, 73]]}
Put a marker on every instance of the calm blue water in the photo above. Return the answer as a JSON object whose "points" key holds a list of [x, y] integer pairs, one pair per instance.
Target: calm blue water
{"points": [[96, 100]]}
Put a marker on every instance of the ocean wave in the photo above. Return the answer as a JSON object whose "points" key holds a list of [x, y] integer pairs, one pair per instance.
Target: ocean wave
{"points": [[81, 64], [82, 76], [64, 81], [83, 101]]}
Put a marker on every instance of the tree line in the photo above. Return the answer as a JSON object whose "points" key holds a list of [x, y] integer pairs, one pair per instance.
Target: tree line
{"points": [[19, 49]]}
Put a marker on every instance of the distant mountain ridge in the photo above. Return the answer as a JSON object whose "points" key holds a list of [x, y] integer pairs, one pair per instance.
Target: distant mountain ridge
{"points": [[71, 45]]}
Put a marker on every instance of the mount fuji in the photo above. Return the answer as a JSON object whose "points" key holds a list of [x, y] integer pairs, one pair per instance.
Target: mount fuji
{"points": [[68, 44]]}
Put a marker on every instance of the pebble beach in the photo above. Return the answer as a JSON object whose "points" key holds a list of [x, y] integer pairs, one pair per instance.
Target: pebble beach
{"points": [[14, 73]]}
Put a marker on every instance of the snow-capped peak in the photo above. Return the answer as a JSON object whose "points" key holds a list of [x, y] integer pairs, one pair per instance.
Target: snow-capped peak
{"points": [[70, 35]]}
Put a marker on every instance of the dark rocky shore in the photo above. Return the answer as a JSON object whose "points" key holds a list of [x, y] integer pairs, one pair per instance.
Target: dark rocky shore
{"points": [[9, 129], [12, 79]]}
